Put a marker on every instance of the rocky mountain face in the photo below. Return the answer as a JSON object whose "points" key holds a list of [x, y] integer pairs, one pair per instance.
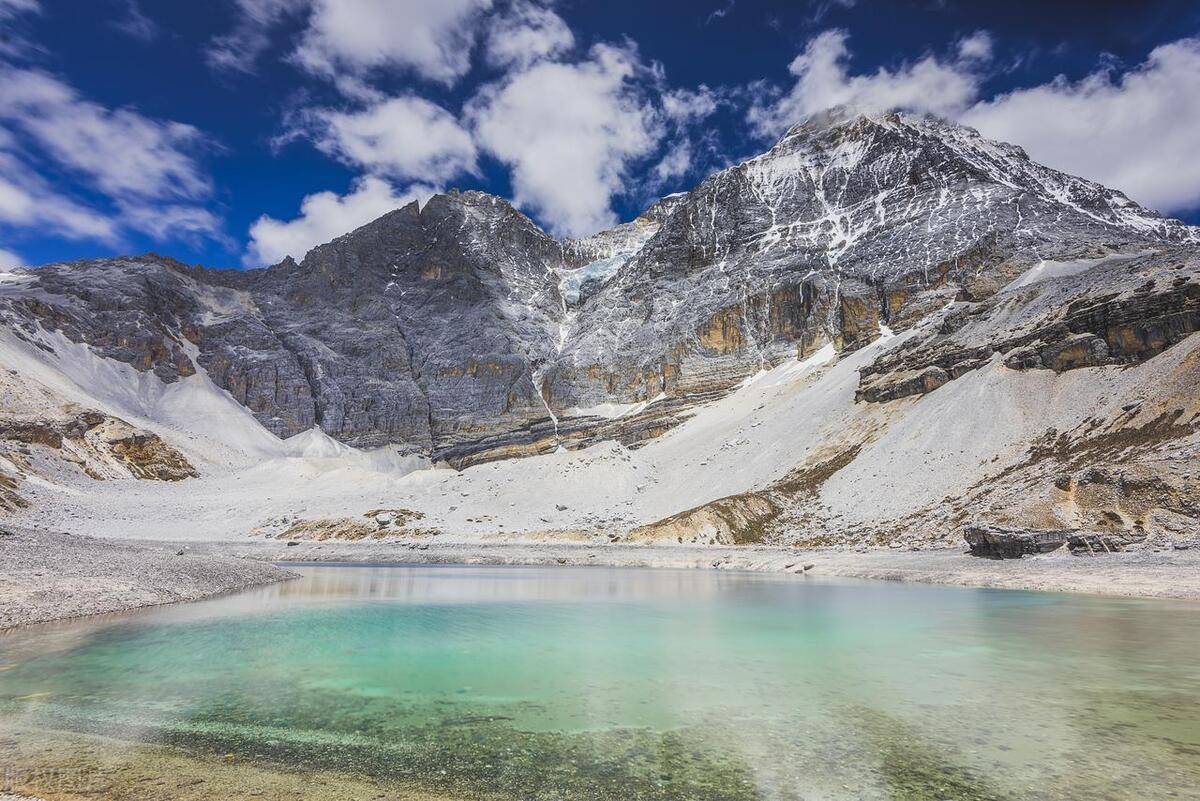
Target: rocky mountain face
{"points": [[462, 331], [846, 225]]}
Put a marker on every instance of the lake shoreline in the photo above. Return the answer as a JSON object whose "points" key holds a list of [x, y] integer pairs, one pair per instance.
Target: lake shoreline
{"points": [[47, 576], [1137, 574]]}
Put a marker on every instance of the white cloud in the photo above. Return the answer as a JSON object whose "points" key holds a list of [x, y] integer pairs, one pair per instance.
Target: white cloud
{"points": [[568, 132], [1135, 131], [27, 200], [683, 110], [136, 24], [405, 137], [122, 152], [525, 34], [976, 47], [1132, 130], [347, 39], [676, 163], [325, 216], [146, 168], [8, 259], [240, 48], [720, 12], [16, 204], [166, 221], [823, 80], [10, 8], [687, 106]]}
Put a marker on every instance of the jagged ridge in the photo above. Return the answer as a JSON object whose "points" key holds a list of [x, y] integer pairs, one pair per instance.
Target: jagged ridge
{"points": [[461, 330]]}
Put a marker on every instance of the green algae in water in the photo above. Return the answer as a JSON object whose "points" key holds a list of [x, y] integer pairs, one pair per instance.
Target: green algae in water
{"points": [[607, 684]]}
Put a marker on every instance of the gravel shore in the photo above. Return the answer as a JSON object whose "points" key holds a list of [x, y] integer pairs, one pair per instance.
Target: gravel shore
{"points": [[52, 576], [1144, 573]]}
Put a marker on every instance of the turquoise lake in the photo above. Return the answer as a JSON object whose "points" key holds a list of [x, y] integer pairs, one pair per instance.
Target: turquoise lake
{"points": [[595, 683]]}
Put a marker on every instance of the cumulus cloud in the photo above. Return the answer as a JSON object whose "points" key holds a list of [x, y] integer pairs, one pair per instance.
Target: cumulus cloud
{"points": [[405, 137], [976, 47], [325, 216], [675, 163], [525, 33], [823, 80], [682, 112], [347, 39], [569, 132], [1135, 131], [1130, 129]]}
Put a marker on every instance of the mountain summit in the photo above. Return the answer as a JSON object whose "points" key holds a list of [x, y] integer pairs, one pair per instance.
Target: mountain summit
{"points": [[461, 331]]}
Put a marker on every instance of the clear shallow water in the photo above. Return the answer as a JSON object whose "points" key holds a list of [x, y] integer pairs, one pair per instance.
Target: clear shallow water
{"points": [[567, 683]]}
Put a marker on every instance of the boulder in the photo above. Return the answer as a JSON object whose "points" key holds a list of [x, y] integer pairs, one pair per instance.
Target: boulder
{"points": [[1077, 350], [997, 542], [926, 381]]}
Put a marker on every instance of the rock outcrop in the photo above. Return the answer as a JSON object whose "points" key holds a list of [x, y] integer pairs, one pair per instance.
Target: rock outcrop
{"points": [[375, 524], [99, 445], [1123, 311], [998, 542], [736, 520]]}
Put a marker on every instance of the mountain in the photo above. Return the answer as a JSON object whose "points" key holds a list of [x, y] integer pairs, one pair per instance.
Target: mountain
{"points": [[458, 331], [849, 222], [417, 329]]}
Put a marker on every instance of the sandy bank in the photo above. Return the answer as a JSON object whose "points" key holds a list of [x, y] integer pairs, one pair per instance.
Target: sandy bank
{"points": [[51, 576]]}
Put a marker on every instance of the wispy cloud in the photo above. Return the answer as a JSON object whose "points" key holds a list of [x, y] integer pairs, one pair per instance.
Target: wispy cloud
{"points": [[823, 8], [147, 169], [720, 13], [8, 259], [135, 24], [11, 8], [240, 48]]}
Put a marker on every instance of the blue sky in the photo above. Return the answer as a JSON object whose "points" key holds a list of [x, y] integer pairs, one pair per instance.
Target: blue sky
{"points": [[233, 132]]}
